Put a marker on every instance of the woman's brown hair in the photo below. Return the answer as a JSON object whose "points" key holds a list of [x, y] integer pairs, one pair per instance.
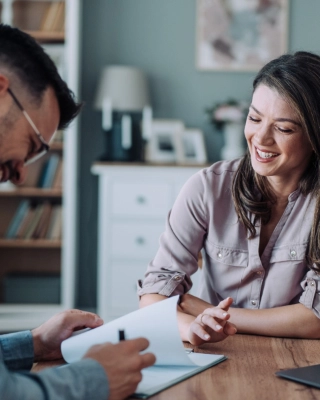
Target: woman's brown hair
{"points": [[296, 77]]}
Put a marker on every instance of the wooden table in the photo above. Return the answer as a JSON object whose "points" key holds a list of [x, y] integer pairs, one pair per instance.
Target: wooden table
{"points": [[249, 371]]}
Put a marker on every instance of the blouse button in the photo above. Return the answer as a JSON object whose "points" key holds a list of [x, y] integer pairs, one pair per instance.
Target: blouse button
{"points": [[219, 255], [253, 302], [312, 283], [293, 253], [177, 278]]}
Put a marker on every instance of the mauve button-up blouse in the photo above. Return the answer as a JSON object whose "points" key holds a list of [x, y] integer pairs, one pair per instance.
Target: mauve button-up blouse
{"points": [[204, 217]]}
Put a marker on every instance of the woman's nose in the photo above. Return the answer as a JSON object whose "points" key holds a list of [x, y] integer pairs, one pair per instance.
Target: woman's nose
{"points": [[264, 135]]}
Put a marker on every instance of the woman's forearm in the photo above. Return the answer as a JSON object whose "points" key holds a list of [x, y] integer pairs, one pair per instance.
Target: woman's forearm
{"points": [[294, 320], [288, 321], [148, 299]]}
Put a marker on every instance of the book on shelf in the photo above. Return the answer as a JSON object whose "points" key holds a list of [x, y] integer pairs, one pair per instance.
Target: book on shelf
{"points": [[54, 231], [17, 219], [57, 181], [34, 222], [48, 171], [53, 18], [43, 224], [25, 223]]}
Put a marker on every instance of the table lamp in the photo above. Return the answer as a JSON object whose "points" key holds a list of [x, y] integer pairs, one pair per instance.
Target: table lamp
{"points": [[123, 97]]}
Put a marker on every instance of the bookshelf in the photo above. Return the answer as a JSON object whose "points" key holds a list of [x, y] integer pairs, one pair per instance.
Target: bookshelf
{"points": [[38, 261]]}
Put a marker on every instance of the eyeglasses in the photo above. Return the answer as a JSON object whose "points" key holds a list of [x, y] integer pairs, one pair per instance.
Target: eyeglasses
{"points": [[33, 156]]}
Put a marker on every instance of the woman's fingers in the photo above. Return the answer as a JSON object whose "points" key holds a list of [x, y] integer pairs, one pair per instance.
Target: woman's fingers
{"points": [[198, 330], [212, 324], [213, 321], [225, 303], [229, 329]]}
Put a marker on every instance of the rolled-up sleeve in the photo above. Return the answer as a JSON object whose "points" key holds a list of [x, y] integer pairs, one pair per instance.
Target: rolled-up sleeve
{"points": [[310, 297], [177, 258]]}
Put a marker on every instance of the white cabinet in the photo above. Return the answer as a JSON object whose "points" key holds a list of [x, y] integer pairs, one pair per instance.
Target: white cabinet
{"points": [[134, 201]]}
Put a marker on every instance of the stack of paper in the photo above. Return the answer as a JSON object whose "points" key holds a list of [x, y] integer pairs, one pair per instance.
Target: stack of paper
{"points": [[157, 323]]}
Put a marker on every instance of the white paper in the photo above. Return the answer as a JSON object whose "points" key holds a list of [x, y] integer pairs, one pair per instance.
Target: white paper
{"points": [[157, 322]]}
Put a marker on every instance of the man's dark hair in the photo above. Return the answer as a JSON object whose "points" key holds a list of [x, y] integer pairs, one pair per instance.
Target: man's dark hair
{"points": [[26, 59]]}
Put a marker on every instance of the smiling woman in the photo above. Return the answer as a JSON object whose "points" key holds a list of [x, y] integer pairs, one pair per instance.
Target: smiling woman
{"points": [[274, 133], [256, 220]]}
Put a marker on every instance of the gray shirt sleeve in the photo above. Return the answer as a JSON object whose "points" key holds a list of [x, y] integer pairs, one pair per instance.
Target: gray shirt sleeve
{"points": [[85, 379], [17, 350]]}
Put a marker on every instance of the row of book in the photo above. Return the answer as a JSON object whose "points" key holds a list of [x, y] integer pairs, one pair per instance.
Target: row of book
{"points": [[40, 221], [51, 173], [54, 17]]}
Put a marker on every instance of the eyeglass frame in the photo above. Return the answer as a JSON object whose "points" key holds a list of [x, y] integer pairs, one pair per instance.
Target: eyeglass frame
{"points": [[45, 147]]}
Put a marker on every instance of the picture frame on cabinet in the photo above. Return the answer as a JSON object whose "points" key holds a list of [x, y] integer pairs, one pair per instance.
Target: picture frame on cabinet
{"points": [[164, 145], [192, 147]]}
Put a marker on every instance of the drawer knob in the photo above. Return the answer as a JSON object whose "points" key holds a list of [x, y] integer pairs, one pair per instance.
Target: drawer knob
{"points": [[141, 200], [140, 240]]}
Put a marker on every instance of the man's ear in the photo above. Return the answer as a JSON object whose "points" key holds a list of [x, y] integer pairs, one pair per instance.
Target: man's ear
{"points": [[4, 85]]}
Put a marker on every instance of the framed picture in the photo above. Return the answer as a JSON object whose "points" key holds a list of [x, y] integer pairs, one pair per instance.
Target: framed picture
{"points": [[192, 149], [163, 145], [240, 35]]}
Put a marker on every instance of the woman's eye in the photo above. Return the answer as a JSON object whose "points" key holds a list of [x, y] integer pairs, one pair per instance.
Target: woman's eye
{"points": [[253, 119], [285, 130]]}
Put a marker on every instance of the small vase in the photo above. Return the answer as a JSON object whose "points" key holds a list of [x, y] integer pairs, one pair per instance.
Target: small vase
{"points": [[233, 141]]}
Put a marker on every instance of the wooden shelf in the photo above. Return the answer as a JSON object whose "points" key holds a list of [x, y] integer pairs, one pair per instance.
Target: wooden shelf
{"points": [[33, 243], [43, 36], [32, 192]]}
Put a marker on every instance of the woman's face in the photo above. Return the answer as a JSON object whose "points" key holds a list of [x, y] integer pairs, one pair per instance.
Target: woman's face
{"points": [[279, 147]]}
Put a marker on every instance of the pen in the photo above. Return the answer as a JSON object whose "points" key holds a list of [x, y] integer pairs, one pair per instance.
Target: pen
{"points": [[121, 335]]}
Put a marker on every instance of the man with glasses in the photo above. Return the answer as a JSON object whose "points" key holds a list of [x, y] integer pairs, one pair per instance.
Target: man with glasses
{"points": [[34, 103]]}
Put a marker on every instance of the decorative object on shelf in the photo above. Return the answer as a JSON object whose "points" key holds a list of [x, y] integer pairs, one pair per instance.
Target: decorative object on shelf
{"points": [[165, 144], [229, 117], [123, 97], [193, 149], [240, 35]]}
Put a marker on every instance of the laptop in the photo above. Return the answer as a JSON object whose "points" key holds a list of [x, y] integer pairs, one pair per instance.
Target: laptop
{"points": [[307, 375]]}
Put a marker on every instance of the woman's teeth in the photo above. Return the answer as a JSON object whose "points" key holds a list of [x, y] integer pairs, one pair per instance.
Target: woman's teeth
{"points": [[262, 154]]}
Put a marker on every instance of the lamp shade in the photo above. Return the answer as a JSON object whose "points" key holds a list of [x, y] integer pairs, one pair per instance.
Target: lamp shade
{"points": [[126, 88]]}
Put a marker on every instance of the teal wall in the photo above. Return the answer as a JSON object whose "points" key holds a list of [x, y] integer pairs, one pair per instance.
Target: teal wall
{"points": [[159, 37]]}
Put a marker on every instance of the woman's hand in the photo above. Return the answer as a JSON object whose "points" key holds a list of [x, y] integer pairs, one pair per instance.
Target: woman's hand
{"points": [[212, 324]]}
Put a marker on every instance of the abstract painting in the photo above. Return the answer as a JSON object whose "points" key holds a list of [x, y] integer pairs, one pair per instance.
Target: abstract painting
{"points": [[240, 34]]}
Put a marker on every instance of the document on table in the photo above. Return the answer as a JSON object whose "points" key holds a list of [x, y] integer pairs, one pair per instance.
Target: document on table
{"points": [[157, 323]]}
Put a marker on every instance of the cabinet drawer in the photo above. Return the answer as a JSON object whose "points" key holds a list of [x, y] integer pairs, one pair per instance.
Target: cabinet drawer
{"points": [[135, 240], [141, 199], [124, 298]]}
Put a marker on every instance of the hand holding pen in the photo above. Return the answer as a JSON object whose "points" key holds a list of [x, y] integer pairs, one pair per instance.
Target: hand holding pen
{"points": [[122, 363]]}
